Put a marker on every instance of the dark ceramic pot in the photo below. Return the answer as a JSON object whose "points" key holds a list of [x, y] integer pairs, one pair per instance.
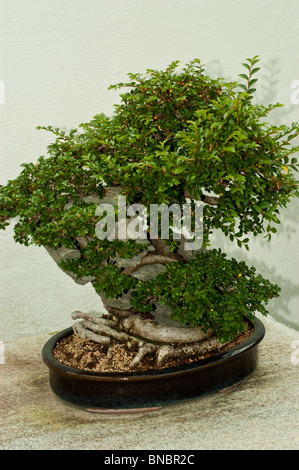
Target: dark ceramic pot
{"points": [[151, 389]]}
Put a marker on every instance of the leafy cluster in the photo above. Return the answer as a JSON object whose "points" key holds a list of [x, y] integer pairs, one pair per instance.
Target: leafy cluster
{"points": [[176, 134], [211, 291]]}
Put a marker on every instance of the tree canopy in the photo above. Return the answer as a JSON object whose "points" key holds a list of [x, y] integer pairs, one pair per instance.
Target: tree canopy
{"points": [[176, 135]]}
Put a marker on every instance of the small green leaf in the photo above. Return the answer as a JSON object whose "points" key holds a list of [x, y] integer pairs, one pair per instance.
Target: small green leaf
{"points": [[242, 75], [255, 70]]}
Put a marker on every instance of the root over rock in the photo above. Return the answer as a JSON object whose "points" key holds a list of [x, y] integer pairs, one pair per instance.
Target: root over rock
{"points": [[144, 337]]}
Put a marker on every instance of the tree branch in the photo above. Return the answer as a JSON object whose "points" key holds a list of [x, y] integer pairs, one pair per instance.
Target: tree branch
{"points": [[211, 200], [150, 258], [163, 249]]}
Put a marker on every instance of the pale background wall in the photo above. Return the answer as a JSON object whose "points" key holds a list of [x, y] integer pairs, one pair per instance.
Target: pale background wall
{"points": [[57, 59]]}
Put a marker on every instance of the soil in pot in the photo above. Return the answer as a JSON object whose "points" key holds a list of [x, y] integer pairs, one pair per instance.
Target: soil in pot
{"points": [[88, 355]]}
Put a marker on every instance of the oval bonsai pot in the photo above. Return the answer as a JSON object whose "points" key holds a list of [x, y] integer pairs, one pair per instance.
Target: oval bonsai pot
{"points": [[154, 388]]}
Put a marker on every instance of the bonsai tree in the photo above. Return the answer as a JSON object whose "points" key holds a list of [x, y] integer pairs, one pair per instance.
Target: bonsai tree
{"points": [[177, 138]]}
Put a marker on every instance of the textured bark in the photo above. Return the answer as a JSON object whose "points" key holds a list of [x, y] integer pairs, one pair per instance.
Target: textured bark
{"points": [[159, 340], [151, 331], [99, 321], [117, 312], [150, 258], [163, 249], [86, 333], [100, 329], [143, 351], [188, 350], [211, 200]]}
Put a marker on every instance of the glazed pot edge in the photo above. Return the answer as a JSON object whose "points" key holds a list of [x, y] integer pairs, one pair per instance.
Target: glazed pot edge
{"points": [[53, 364]]}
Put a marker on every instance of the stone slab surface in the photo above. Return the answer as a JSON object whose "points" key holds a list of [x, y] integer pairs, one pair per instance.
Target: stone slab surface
{"points": [[259, 414]]}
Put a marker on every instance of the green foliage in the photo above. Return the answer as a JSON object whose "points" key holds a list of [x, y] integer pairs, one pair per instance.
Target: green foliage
{"points": [[97, 261], [211, 291], [176, 134], [249, 65]]}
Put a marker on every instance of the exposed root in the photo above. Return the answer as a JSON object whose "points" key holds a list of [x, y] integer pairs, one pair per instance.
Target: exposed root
{"points": [[109, 353], [144, 350], [84, 333], [117, 312], [188, 350], [98, 321], [152, 331], [146, 337], [100, 329]]}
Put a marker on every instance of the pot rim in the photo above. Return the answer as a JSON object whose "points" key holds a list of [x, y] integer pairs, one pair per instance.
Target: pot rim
{"points": [[52, 363]]}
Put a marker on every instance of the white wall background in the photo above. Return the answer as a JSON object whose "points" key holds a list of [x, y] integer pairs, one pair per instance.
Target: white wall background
{"points": [[57, 59]]}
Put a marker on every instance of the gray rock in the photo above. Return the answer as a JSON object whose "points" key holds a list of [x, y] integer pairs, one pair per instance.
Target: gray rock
{"points": [[111, 196], [68, 206], [149, 271], [151, 247], [91, 199], [61, 253], [162, 316], [122, 302], [146, 243], [83, 241], [64, 253], [186, 254], [83, 280], [143, 241], [129, 262]]}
